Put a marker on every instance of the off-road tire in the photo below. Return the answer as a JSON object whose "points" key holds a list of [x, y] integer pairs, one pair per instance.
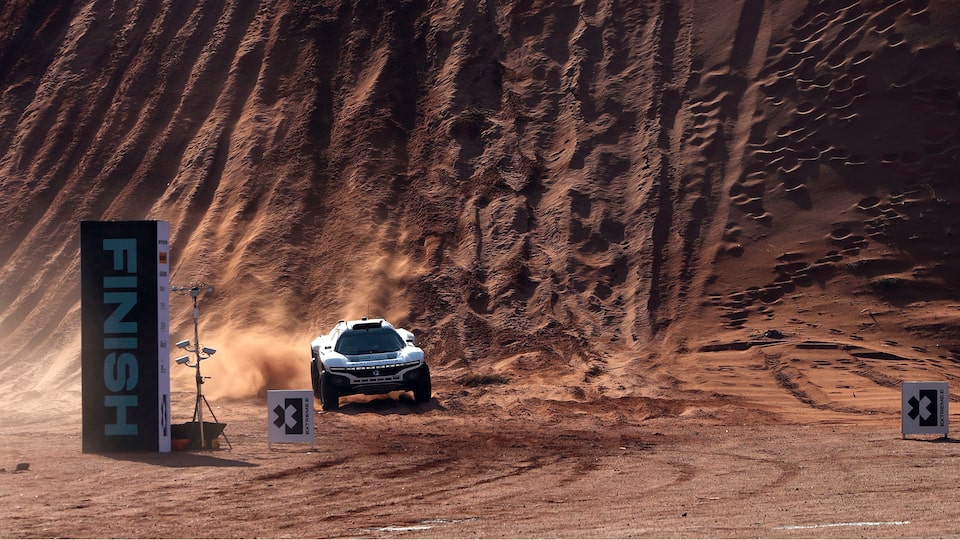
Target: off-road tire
{"points": [[423, 390], [329, 396], [315, 378]]}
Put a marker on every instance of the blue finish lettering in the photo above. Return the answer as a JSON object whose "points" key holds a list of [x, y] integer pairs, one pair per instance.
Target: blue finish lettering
{"points": [[121, 403], [121, 370], [115, 323], [124, 253]]}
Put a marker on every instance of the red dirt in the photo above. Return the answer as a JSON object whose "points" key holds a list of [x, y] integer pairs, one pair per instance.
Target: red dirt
{"points": [[699, 244]]}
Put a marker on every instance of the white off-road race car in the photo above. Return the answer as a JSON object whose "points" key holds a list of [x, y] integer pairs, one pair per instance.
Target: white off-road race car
{"points": [[367, 356]]}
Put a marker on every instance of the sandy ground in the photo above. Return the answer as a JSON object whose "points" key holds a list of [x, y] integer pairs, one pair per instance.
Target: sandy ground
{"points": [[694, 246], [465, 466]]}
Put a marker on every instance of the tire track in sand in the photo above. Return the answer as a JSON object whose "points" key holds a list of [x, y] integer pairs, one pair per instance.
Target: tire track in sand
{"points": [[731, 105], [666, 110]]}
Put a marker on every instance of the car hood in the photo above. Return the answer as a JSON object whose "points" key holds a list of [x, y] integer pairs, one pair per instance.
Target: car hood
{"points": [[373, 357]]}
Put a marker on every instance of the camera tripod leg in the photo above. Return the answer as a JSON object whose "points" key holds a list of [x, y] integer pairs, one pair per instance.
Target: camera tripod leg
{"points": [[198, 418], [204, 398]]}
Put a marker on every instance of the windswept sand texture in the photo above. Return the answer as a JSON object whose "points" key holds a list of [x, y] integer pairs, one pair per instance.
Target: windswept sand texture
{"points": [[670, 260]]}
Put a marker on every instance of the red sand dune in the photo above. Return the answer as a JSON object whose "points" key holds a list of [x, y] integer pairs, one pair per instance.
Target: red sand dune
{"points": [[684, 209]]}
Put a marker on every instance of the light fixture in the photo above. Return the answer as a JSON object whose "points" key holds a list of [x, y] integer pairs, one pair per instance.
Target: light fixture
{"points": [[202, 353]]}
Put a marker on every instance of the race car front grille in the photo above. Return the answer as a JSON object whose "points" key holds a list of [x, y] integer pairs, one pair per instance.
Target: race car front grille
{"points": [[377, 371]]}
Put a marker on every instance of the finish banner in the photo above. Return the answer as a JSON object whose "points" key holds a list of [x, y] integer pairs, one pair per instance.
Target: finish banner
{"points": [[125, 358]]}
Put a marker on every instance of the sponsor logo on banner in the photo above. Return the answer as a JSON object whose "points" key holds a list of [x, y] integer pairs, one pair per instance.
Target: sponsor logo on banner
{"points": [[290, 416], [924, 408]]}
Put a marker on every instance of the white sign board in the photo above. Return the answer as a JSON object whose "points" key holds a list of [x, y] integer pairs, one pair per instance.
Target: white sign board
{"points": [[925, 408], [290, 416]]}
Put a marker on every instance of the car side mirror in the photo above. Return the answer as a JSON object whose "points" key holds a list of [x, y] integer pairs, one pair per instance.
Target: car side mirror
{"points": [[407, 336]]}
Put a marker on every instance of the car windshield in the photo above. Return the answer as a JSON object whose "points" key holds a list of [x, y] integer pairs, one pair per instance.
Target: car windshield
{"points": [[369, 341]]}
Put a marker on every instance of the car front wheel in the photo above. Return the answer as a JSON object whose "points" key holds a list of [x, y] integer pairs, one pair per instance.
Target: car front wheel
{"points": [[315, 379], [329, 396], [423, 391]]}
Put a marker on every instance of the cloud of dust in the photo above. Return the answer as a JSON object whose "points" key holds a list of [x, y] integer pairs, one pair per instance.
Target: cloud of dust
{"points": [[39, 389], [269, 355], [247, 364]]}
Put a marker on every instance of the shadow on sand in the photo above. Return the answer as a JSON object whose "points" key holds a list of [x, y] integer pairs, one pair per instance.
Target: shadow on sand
{"points": [[182, 459], [943, 439], [393, 403]]}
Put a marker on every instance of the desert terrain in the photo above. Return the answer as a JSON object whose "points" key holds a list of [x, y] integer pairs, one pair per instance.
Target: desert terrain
{"points": [[669, 261]]}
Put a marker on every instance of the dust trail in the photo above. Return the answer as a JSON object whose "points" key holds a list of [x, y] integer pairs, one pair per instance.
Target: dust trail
{"points": [[248, 364], [251, 358], [274, 354]]}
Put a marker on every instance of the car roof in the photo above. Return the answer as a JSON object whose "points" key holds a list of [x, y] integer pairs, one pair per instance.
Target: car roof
{"points": [[365, 324]]}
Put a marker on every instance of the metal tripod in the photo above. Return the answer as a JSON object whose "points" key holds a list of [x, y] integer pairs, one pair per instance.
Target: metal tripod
{"points": [[198, 411], [202, 353]]}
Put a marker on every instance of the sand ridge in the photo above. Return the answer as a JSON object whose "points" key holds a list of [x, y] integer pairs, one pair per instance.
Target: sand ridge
{"points": [[641, 217]]}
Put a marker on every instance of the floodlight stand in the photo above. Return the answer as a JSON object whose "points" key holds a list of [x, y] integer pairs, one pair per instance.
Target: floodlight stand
{"points": [[201, 355], [198, 412]]}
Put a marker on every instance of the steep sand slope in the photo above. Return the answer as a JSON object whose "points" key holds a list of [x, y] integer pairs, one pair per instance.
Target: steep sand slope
{"points": [[670, 260], [594, 197]]}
